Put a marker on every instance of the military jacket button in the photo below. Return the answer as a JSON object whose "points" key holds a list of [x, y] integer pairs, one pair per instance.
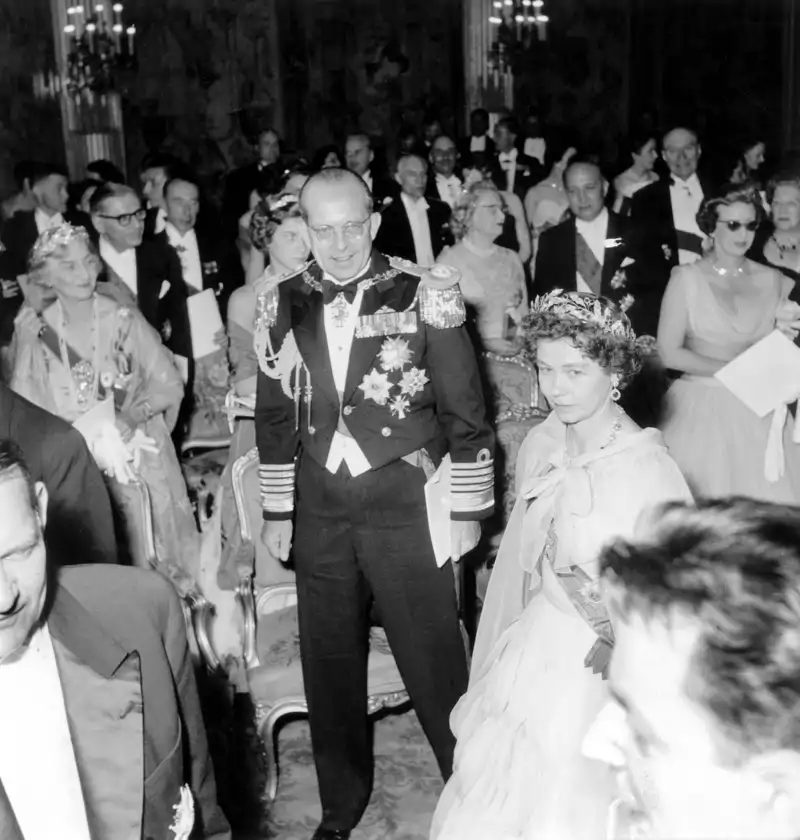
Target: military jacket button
{"points": [[386, 431], [347, 410], [311, 430]]}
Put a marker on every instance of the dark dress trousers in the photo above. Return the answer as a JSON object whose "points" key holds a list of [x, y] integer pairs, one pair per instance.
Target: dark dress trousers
{"points": [[131, 701], [363, 542], [394, 236], [80, 524]]}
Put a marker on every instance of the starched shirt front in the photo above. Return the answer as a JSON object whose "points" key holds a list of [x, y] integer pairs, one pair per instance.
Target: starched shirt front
{"points": [[189, 253], [417, 211], [686, 198], [122, 263]]}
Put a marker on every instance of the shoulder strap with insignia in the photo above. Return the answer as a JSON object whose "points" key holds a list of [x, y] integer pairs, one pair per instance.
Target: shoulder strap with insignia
{"points": [[266, 289], [440, 302], [406, 266]]}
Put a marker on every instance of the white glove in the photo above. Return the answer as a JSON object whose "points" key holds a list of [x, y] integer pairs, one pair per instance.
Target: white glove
{"points": [[787, 319], [140, 443], [112, 454]]}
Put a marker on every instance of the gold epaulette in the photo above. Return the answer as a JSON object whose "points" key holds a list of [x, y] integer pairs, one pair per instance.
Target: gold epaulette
{"points": [[406, 266], [440, 302], [266, 289]]}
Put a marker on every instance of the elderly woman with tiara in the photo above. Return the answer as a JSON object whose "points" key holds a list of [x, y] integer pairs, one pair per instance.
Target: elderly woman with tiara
{"points": [[583, 477], [99, 365]]}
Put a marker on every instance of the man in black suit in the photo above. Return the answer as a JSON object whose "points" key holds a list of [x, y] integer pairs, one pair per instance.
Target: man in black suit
{"points": [[395, 387], [207, 259], [512, 170], [478, 149], [48, 185], [140, 273], [413, 227], [241, 182], [664, 213], [157, 168], [80, 524], [444, 181], [360, 158]]}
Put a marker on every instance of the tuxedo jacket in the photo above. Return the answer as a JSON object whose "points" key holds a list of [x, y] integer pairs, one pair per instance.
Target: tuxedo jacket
{"points": [[529, 173], [132, 704], [18, 237], [384, 191], [394, 236], [432, 191], [161, 295], [445, 414], [80, 523], [556, 262], [236, 194], [219, 262], [466, 158]]}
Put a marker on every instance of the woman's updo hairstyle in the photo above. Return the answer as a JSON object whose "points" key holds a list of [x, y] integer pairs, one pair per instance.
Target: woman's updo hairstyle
{"points": [[597, 326], [269, 215], [708, 215]]}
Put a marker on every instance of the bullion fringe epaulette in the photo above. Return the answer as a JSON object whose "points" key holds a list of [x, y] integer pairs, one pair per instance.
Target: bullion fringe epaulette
{"points": [[441, 304], [472, 485]]}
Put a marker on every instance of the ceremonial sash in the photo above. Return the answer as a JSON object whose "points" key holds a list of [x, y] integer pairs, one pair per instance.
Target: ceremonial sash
{"points": [[49, 337], [587, 265]]}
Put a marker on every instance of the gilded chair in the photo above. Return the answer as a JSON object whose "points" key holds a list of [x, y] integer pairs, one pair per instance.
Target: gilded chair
{"points": [[272, 648]]}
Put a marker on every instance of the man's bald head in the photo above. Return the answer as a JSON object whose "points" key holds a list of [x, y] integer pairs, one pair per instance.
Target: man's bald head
{"points": [[412, 175], [334, 179], [586, 189]]}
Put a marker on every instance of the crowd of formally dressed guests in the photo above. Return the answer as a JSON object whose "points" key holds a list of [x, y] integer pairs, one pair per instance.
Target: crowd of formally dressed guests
{"points": [[96, 315]]}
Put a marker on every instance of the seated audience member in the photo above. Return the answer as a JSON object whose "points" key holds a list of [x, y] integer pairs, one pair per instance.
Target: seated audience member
{"points": [[431, 129], [478, 149], [359, 158], [643, 149], [413, 227], [138, 272], [777, 241], [48, 184], [701, 730], [326, 157], [444, 182], [157, 168], [96, 676], [80, 524], [241, 182], [23, 199], [86, 349], [105, 172], [750, 162]]}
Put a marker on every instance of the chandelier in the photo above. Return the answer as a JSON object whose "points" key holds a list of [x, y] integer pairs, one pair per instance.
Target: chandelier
{"points": [[97, 46], [517, 25]]}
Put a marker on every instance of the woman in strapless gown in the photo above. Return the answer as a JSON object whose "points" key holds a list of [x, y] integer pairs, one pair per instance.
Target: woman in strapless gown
{"points": [[714, 310]]}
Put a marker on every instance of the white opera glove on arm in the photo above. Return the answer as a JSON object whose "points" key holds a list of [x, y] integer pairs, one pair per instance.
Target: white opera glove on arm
{"points": [[138, 444], [112, 453]]}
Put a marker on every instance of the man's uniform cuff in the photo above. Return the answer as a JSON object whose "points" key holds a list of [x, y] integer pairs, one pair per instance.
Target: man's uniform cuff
{"points": [[276, 482], [472, 488]]}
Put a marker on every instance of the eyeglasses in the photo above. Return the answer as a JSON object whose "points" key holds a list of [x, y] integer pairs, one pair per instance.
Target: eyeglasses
{"points": [[734, 226], [350, 230], [126, 218]]}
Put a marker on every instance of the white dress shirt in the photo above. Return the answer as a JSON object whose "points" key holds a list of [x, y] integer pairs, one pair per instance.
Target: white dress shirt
{"points": [[508, 163], [367, 178], [123, 263], [417, 210], [45, 222], [189, 253], [449, 189], [535, 148], [161, 220], [594, 233], [339, 334], [686, 198], [477, 144], [37, 758]]}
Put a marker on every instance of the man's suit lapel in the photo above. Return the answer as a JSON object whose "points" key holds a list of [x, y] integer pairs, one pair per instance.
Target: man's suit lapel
{"points": [[612, 256], [206, 248], [309, 332], [404, 233]]}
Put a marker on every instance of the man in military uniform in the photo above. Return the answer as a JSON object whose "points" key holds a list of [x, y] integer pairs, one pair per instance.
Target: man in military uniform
{"points": [[371, 378]]}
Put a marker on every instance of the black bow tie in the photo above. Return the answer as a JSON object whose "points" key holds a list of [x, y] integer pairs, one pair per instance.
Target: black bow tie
{"points": [[331, 290]]}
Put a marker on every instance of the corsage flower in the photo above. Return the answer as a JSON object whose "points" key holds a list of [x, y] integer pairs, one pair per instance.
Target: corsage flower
{"points": [[626, 303], [376, 386], [395, 354], [413, 381], [183, 823], [620, 279]]}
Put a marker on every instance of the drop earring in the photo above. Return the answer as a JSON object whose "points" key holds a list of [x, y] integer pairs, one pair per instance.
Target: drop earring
{"points": [[615, 392]]}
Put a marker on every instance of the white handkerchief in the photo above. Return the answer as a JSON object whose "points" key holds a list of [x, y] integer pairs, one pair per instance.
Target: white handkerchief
{"points": [[437, 502], [165, 287], [205, 322], [766, 376], [96, 418]]}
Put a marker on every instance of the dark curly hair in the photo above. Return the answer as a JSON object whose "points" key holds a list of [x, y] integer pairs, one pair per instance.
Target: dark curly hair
{"points": [[270, 213], [708, 214], [618, 354]]}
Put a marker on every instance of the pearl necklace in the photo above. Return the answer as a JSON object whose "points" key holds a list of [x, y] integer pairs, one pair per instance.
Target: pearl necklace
{"points": [[84, 377]]}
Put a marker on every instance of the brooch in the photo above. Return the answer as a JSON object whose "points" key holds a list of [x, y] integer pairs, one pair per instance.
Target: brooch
{"points": [[376, 385], [210, 268]]}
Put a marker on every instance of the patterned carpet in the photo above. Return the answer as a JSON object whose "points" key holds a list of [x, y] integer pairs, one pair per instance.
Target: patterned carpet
{"points": [[407, 784]]}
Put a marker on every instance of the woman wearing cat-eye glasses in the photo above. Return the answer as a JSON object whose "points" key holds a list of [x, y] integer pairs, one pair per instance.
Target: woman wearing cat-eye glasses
{"points": [[713, 311]]}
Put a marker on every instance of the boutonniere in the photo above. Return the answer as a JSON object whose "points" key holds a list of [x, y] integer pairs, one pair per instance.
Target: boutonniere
{"points": [[183, 823], [386, 202], [626, 303], [210, 268], [395, 355], [620, 279], [667, 251], [613, 243]]}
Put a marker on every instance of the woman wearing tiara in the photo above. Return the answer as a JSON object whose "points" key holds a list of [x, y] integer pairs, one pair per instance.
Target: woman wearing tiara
{"points": [[583, 477]]}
